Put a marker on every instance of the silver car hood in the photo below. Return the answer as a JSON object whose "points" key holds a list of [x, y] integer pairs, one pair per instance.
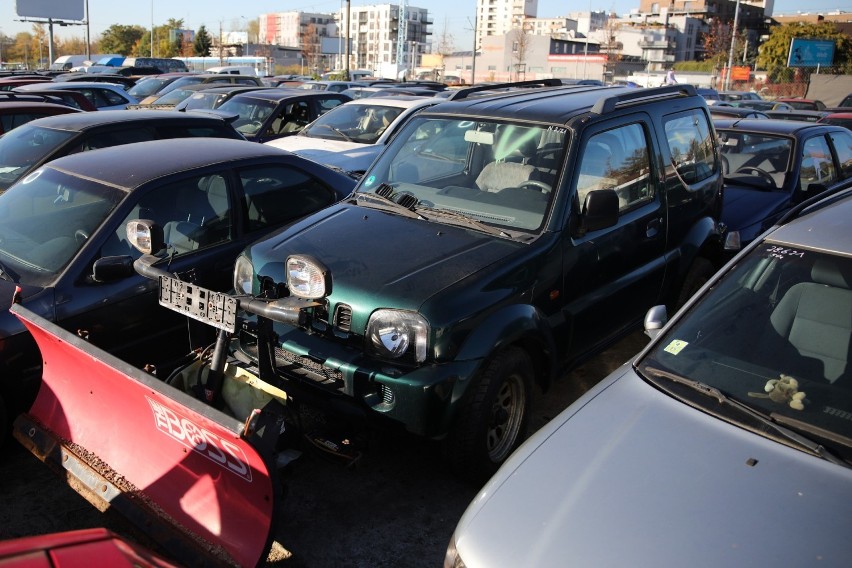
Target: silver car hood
{"points": [[628, 476]]}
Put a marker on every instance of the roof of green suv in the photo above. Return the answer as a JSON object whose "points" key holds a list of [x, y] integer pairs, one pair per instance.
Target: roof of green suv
{"points": [[545, 104]]}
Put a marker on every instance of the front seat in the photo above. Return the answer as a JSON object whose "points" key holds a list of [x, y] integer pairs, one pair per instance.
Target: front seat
{"points": [[816, 320]]}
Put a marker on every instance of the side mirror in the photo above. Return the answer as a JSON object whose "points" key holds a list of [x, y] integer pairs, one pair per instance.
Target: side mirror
{"points": [[600, 210], [655, 319], [111, 268]]}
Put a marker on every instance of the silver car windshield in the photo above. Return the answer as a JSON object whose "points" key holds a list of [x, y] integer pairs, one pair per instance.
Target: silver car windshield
{"points": [[497, 173], [775, 335], [26, 146], [46, 218], [359, 123]]}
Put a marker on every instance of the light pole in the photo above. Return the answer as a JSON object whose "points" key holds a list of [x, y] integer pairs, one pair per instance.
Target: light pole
{"points": [[152, 28], [733, 43], [88, 40]]}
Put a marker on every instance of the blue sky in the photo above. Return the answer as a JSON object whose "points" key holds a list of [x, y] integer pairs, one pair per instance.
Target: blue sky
{"points": [[453, 15]]}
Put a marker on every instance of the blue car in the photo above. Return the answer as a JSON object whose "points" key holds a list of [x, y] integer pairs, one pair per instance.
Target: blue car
{"points": [[771, 165]]}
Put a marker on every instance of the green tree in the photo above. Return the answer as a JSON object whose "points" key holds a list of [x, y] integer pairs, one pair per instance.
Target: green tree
{"points": [[203, 42], [775, 50], [121, 39]]}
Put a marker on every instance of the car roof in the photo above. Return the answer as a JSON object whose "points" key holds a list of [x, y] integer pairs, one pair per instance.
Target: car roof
{"points": [[276, 94], [71, 85], [143, 162], [825, 227], [6, 106], [82, 121], [546, 104], [402, 101], [780, 127]]}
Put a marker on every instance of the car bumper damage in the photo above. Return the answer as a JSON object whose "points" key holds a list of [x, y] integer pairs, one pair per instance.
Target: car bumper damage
{"points": [[194, 479]]}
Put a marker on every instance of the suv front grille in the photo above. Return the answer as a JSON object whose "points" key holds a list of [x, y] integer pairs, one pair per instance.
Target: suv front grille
{"points": [[343, 318]]}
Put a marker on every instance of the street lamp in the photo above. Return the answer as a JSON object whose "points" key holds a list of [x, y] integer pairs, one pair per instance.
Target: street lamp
{"points": [[733, 43]]}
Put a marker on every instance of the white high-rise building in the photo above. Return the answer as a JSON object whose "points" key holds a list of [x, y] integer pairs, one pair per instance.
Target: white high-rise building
{"points": [[375, 35], [499, 17], [286, 28]]}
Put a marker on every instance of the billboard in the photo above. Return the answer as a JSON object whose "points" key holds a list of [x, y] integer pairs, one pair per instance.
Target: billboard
{"points": [[50, 9], [810, 52]]}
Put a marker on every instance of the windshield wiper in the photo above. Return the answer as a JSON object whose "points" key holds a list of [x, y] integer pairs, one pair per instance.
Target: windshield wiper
{"points": [[387, 204], [336, 131], [461, 219], [770, 420]]}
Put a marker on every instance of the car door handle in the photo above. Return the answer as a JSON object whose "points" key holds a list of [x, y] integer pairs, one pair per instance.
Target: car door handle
{"points": [[653, 227]]}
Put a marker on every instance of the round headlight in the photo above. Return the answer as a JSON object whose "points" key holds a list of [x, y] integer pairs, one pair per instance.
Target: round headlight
{"points": [[394, 333], [243, 275], [306, 277]]}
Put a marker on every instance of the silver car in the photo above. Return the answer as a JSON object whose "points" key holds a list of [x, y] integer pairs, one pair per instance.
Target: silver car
{"points": [[726, 442]]}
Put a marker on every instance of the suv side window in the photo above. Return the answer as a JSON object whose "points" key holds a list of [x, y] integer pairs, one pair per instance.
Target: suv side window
{"points": [[817, 164], [617, 159], [692, 146], [842, 143], [277, 194]]}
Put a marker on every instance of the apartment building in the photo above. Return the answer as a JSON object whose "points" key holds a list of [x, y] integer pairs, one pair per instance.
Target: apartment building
{"points": [[287, 28], [499, 17], [386, 34]]}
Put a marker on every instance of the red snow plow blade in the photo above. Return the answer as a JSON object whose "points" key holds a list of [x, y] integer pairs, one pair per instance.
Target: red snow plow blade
{"points": [[176, 467]]}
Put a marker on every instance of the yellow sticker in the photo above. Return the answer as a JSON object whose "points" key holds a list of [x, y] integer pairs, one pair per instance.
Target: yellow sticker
{"points": [[675, 347]]}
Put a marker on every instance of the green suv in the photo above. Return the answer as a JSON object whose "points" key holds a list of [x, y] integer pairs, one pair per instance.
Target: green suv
{"points": [[502, 237]]}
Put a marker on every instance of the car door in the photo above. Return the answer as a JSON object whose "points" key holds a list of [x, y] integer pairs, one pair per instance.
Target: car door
{"points": [[613, 275], [818, 170]]}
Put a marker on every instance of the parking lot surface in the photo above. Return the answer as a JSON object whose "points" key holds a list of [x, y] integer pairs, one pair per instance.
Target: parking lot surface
{"points": [[396, 506]]}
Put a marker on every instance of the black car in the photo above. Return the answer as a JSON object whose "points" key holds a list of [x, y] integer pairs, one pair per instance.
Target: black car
{"points": [[770, 165], [214, 97], [17, 113], [797, 114], [268, 114], [64, 245], [42, 140]]}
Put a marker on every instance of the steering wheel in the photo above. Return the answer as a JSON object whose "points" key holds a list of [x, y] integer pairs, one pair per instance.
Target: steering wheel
{"points": [[81, 236], [540, 185], [749, 170]]}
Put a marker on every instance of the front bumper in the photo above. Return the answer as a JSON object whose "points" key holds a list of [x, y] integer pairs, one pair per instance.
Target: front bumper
{"points": [[423, 399]]}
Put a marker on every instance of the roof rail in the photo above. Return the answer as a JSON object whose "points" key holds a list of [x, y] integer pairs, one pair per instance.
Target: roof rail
{"points": [[467, 91], [608, 104]]}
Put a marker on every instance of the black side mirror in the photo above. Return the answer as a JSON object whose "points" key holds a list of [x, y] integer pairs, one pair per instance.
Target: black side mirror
{"points": [[600, 210], [111, 268]]}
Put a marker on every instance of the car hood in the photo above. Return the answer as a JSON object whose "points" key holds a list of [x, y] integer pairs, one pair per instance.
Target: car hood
{"points": [[349, 156], [632, 477], [428, 257], [743, 207]]}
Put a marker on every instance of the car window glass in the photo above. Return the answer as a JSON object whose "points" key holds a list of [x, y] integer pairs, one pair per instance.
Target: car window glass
{"points": [[113, 98], [691, 144], [617, 159], [115, 138], [25, 146], [277, 194], [326, 105], [194, 213], [817, 164], [842, 143]]}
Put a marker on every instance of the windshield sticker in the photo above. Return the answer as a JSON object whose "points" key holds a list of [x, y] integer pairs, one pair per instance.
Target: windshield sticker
{"points": [[783, 252], [676, 346], [557, 129], [370, 181]]}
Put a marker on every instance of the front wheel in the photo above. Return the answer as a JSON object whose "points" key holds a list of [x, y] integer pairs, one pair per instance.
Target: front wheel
{"points": [[493, 419]]}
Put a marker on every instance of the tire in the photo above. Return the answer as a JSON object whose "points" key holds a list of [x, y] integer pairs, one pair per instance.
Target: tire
{"points": [[698, 275], [493, 419]]}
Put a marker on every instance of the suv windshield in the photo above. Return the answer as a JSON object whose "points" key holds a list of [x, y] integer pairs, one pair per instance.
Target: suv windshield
{"points": [[25, 146], [497, 173], [45, 220], [774, 334], [353, 123]]}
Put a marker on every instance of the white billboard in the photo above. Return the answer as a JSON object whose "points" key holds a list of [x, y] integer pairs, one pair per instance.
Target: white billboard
{"points": [[50, 9]]}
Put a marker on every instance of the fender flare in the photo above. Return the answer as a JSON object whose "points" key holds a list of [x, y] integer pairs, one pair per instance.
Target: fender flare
{"points": [[702, 239]]}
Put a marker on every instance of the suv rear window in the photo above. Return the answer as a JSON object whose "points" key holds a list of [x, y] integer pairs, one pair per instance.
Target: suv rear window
{"points": [[692, 146]]}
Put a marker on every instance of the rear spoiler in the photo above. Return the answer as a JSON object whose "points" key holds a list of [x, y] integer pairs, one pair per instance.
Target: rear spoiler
{"points": [[199, 482]]}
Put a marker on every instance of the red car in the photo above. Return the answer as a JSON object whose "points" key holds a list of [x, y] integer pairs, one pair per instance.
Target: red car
{"points": [[838, 118], [16, 113], [87, 547], [802, 104]]}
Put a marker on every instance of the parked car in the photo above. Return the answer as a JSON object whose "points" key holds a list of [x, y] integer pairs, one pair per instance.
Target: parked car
{"points": [[267, 114], [739, 96], [709, 94], [762, 105], [728, 111], [105, 77], [170, 100], [838, 118], [330, 86], [796, 114], [14, 114], [9, 83], [771, 165], [801, 103], [73, 99], [736, 413], [153, 84], [351, 135], [63, 240], [213, 97], [191, 79], [105, 96], [40, 141]]}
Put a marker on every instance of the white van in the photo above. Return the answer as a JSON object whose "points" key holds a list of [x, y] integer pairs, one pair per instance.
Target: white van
{"points": [[234, 70]]}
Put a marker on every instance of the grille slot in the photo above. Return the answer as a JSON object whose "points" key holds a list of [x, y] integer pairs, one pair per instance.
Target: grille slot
{"points": [[343, 318]]}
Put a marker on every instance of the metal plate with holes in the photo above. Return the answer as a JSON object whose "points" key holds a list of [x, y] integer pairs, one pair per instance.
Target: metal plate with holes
{"points": [[213, 308]]}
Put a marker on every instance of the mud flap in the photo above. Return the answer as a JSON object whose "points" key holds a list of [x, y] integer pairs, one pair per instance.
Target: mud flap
{"points": [[176, 467]]}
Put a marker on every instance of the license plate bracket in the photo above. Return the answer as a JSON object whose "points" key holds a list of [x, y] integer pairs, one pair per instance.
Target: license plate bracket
{"points": [[199, 303]]}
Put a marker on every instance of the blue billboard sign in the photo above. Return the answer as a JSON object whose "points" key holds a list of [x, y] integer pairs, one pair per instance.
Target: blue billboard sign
{"points": [[810, 52]]}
